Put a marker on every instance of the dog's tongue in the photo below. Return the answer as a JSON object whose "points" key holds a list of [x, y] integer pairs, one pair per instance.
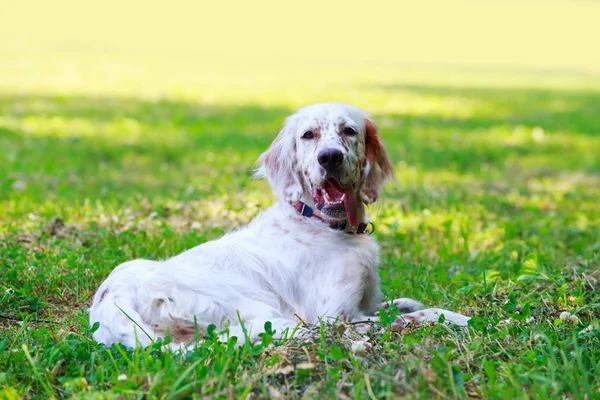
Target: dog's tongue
{"points": [[350, 206]]}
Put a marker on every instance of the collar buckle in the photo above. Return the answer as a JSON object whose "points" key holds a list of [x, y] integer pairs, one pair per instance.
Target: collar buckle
{"points": [[303, 209], [306, 211]]}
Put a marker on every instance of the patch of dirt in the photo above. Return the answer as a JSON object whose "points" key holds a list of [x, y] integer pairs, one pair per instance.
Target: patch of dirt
{"points": [[56, 228]]}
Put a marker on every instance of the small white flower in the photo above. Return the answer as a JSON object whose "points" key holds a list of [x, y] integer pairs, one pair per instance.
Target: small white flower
{"points": [[9, 291], [360, 347], [19, 186], [196, 225], [565, 316], [153, 214], [122, 377], [31, 269], [529, 320], [590, 328]]}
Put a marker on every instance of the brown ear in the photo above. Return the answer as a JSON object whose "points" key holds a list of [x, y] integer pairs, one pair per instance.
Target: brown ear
{"points": [[377, 166], [278, 164]]}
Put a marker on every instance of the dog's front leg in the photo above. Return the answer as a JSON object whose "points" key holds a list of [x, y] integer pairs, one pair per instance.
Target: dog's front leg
{"points": [[403, 304], [429, 315], [411, 312]]}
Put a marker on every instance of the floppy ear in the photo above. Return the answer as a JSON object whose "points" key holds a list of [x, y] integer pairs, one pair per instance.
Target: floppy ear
{"points": [[377, 166], [279, 164]]}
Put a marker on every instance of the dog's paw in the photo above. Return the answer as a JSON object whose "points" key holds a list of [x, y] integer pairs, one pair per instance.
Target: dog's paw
{"points": [[429, 315], [404, 305]]}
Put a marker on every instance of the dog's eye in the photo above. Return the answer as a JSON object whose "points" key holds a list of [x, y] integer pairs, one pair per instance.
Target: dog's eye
{"points": [[308, 135], [349, 131]]}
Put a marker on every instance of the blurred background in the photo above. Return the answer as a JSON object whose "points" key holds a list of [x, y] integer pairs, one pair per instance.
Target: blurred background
{"points": [[112, 46], [107, 105]]}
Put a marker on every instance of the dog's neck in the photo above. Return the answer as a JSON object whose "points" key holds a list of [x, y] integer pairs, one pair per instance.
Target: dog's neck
{"points": [[306, 207], [308, 212]]}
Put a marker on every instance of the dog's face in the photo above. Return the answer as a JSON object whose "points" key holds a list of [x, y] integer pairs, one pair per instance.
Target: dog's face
{"points": [[331, 157]]}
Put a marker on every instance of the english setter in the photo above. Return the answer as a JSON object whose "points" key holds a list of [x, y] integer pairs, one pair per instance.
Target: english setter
{"points": [[307, 257]]}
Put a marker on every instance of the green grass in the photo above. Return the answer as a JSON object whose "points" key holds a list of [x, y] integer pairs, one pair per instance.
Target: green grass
{"points": [[146, 151]]}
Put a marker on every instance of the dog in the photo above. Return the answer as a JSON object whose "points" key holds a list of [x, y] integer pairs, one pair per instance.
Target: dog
{"points": [[308, 257]]}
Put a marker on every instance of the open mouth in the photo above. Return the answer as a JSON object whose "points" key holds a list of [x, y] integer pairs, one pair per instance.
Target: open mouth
{"points": [[335, 202]]}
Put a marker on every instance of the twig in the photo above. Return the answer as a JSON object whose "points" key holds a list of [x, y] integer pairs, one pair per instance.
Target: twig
{"points": [[10, 318]]}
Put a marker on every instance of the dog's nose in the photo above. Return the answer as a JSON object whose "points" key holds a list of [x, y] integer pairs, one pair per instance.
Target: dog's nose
{"points": [[331, 160]]}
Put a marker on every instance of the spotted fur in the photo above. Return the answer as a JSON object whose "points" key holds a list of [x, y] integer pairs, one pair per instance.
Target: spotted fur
{"points": [[282, 267]]}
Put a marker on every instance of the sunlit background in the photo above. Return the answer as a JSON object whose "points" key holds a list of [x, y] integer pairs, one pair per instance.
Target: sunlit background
{"points": [[130, 129], [198, 49], [100, 99], [184, 80]]}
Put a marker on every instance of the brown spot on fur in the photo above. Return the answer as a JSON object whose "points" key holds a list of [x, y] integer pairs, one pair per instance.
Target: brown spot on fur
{"points": [[374, 148], [317, 132], [344, 317], [271, 161], [381, 168], [346, 140], [183, 331], [103, 295], [306, 172]]}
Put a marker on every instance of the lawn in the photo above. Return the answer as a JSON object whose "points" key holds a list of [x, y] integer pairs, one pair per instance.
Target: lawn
{"points": [[116, 152]]}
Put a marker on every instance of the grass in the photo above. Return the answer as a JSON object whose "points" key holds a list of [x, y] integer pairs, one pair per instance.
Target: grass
{"points": [[110, 156]]}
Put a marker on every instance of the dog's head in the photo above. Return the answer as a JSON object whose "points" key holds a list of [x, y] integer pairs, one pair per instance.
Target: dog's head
{"points": [[331, 157]]}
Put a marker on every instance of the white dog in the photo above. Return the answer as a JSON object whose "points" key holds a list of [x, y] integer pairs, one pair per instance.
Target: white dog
{"points": [[307, 257]]}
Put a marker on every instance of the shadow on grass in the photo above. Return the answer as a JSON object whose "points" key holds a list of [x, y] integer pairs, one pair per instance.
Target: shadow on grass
{"points": [[472, 191], [540, 130], [573, 112], [114, 148]]}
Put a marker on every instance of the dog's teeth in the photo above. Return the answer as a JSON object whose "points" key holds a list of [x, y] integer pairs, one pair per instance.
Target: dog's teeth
{"points": [[343, 197]]}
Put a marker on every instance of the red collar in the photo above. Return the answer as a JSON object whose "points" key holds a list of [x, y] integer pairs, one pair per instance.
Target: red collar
{"points": [[308, 212]]}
